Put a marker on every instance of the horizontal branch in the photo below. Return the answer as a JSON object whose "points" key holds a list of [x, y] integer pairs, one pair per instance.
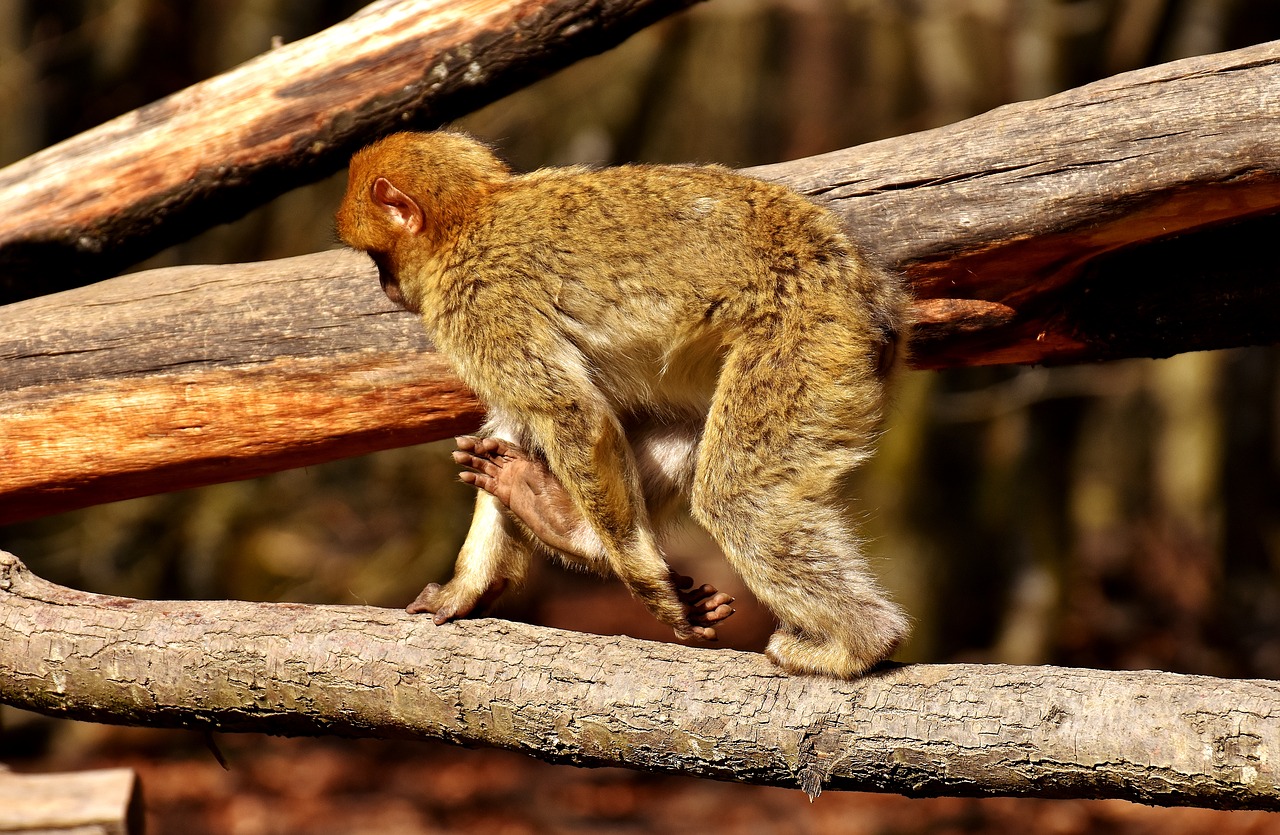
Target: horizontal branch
{"points": [[918, 730], [85, 208], [1133, 217]]}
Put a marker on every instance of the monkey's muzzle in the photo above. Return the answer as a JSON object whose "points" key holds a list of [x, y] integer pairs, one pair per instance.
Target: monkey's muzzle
{"points": [[391, 285]]}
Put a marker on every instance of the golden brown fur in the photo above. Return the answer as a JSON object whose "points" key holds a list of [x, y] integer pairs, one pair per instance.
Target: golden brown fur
{"points": [[652, 333]]}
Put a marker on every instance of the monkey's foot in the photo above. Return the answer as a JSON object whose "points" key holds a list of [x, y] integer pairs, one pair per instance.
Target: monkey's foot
{"points": [[533, 493], [704, 605], [525, 486], [867, 636], [450, 601]]}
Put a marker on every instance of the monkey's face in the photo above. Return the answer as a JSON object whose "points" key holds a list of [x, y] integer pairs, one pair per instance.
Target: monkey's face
{"points": [[391, 284]]}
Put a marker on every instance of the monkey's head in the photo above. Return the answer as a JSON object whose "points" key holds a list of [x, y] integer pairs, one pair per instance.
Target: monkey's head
{"points": [[408, 197]]}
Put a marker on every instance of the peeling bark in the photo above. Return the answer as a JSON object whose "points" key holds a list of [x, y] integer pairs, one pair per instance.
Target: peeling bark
{"points": [[1130, 217], [919, 730]]}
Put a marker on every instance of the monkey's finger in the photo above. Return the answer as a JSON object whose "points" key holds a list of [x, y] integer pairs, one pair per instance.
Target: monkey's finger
{"points": [[687, 594], [706, 633], [478, 447], [479, 481], [426, 603], [711, 616], [719, 613], [489, 447], [715, 601], [481, 465], [704, 593]]}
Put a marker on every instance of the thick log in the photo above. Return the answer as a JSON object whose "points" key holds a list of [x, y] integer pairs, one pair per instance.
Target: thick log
{"points": [[194, 375], [1136, 225], [1088, 216], [919, 730], [87, 207]]}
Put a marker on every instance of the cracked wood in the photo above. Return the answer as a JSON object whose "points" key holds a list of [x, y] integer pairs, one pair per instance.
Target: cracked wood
{"points": [[920, 730]]}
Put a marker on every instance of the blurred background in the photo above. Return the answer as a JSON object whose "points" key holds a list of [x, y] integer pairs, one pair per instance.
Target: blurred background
{"points": [[1121, 516]]}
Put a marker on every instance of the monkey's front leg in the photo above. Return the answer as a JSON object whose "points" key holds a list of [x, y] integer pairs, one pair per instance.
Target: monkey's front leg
{"points": [[492, 557], [536, 497]]}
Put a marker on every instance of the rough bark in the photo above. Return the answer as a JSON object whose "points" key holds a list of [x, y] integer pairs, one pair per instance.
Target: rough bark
{"points": [[1132, 217], [920, 730], [87, 207], [102, 802]]}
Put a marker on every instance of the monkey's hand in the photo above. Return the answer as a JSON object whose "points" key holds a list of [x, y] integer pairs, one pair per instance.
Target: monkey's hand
{"points": [[705, 606], [525, 486], [451, 601]]}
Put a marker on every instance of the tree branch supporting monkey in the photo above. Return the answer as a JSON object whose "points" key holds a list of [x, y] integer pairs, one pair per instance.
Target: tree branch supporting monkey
{"points": [[919, 730]]}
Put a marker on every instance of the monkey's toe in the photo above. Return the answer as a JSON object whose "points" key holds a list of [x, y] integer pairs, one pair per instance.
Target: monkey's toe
{"points": [[427, 602], [448, 602]]}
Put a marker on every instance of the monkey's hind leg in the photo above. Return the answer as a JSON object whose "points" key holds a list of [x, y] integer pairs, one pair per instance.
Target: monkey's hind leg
{"points": [[787, 424], [492, 557], [524, 485]]}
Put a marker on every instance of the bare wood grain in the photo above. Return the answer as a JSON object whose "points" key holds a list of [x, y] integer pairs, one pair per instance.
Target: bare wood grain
{"points": [[105, 801], [87, 207], [195, 375], [919, 730]]}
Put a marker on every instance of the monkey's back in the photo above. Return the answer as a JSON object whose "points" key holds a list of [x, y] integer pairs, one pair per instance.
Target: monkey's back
{"points": [[650, 268]]}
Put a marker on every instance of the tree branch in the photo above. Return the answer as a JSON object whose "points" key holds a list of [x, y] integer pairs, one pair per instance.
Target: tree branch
{"points": [[103, 802], [919, 730], [1039, 232], [90, 206]]}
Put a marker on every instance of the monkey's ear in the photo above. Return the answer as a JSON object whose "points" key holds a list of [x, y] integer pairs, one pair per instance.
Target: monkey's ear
{"points": [[399, 207]]}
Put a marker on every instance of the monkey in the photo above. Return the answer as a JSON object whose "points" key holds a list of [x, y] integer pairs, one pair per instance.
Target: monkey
{"points": [[646, 336]]}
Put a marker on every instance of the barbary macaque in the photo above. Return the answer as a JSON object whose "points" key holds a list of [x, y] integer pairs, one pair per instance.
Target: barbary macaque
{"points": [[643, 335]]}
